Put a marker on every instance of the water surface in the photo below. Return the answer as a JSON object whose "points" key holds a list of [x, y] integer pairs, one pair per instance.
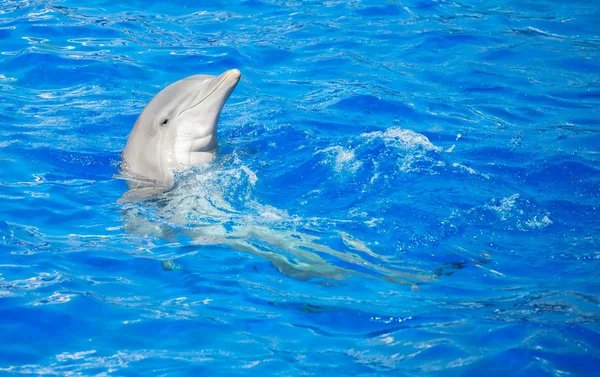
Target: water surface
{"points": [[403, 188]]}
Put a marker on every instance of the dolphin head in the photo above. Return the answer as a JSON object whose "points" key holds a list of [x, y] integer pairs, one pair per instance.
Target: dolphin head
{"points": [[177, 128]]}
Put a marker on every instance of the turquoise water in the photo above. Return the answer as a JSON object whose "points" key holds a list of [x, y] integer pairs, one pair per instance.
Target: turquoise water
{"points": [[403, 188]]}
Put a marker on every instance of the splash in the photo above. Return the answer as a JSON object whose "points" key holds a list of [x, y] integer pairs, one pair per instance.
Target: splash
{"points": [[403, 139], [342, 159]]}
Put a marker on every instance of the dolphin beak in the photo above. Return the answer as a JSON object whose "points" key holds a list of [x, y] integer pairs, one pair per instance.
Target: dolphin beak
{"points": [[233, 73], [232, 77], [226, 82], [221, 87]]}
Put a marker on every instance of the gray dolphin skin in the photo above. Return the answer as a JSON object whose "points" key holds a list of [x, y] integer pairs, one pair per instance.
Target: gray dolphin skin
{"points": [[176, 130]]}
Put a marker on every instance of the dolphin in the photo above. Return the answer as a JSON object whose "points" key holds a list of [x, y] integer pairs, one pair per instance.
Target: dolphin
{"points": [[176, 130]]}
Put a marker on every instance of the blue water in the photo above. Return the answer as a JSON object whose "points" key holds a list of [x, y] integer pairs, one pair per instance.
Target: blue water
{"points": [[419, 184]]}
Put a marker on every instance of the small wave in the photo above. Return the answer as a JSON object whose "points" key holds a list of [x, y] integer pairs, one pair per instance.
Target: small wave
{"points": [[403, 138]]}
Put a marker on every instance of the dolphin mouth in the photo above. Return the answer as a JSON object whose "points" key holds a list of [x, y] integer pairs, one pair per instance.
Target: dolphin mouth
{"points": [[232, 75]]}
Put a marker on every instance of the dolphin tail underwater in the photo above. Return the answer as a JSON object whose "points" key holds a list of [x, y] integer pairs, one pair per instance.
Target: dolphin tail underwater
{"points": [[176, 130]]}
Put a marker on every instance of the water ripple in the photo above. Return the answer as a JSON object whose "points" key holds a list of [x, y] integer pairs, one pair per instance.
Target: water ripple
{"points": [[402, 189]]}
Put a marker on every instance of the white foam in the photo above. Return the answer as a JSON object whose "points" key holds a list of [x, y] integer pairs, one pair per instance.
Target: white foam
{"points": [[403, 138], [505, 207], [468, 169], [66, 356], [342, 159], [539, 224]]}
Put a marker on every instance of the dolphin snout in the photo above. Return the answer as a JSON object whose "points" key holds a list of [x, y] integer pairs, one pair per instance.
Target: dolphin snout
{"points": [[233, 73]]}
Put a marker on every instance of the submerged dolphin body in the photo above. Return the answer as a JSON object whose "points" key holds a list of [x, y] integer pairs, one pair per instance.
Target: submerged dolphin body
{"points": [[176, 130]]}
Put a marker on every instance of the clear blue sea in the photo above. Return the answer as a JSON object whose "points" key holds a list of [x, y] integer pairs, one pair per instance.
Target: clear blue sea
{"points": [[402, 189]]}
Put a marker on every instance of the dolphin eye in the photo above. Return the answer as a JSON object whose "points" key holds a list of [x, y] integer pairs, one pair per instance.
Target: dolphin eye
{"points": [[164, 122]]}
